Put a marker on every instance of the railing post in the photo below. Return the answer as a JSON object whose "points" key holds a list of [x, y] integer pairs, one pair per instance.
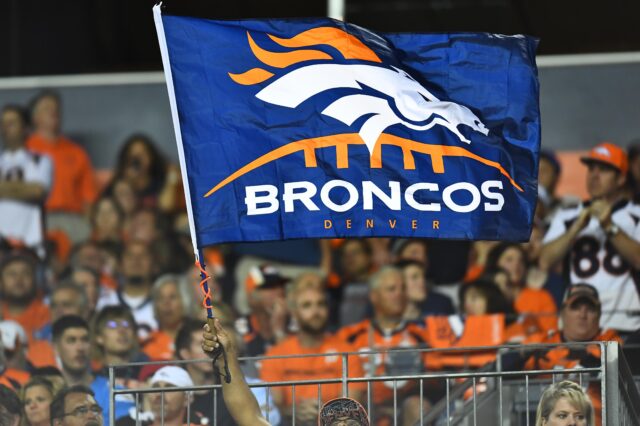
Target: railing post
{"points": [[610, 385], [345, 374], [112, 397]]}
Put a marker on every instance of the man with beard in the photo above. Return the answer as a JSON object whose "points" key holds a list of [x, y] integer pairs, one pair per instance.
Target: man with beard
{"points": [[137, 267], [311, 312], [77, 406], [72, 344], [19, 294]]}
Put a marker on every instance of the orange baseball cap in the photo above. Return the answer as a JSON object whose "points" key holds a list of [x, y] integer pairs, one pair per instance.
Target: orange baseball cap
{"points": [[609, 154]]}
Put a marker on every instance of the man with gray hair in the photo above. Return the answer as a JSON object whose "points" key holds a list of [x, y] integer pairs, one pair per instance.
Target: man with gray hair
{"points": [[67, 298], [388, 330]]}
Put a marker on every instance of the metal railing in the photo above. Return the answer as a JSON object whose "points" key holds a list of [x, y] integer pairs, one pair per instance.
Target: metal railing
{"points": [[488, 395]]}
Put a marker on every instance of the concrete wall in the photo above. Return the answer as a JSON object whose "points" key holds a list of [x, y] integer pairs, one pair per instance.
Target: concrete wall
{"points": [[580, 104]]}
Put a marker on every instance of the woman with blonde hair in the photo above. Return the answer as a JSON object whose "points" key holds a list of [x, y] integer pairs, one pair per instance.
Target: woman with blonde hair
{"points": [[565, 404]]}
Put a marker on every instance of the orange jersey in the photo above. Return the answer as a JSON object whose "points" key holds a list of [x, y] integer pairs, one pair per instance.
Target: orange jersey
{"points": [[566, 359], [452, 331], [311, 368], [366, 336], [36, 316], [540, 306], [159, 346], [73, 177]]}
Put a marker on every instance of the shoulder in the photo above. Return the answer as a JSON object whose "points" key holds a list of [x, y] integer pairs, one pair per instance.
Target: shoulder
{"points": [[552, 336], [285, 347], [351, 332], [608, 335]]}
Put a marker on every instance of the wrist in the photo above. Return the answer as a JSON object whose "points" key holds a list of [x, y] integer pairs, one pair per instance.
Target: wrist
{"points": [[611, 229]]}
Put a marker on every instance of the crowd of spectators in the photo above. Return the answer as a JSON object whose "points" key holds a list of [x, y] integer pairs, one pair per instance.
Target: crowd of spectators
{"points": [[96, 275]]}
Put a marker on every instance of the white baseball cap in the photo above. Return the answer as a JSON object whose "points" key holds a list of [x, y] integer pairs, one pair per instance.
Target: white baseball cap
{"points": [[174, 375]]}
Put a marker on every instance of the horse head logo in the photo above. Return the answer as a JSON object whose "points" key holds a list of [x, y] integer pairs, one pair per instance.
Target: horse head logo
{"points": [[386, 95]]}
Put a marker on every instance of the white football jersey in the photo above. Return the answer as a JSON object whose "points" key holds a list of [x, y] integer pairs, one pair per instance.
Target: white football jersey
{"points": [[594, 260], [20, 220]]}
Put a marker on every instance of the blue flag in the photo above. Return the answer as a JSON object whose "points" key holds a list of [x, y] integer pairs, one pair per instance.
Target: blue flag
{"points": [[316, 128]]}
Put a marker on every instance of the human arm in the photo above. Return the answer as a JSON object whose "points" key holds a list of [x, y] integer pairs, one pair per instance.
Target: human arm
{"points": [[168, 194], [627, 247], [554, 251], [238, 398], [30, 192]]}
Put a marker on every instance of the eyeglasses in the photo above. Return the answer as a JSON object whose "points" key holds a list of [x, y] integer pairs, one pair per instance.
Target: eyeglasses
{"points": [[113, 324], [84, 410]]}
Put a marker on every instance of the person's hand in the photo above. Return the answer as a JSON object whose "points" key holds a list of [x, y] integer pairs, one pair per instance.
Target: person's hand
{"points": [[211, 340], [307, 412], [278, 317], [581, 221], [601, 210], [536, 278]]}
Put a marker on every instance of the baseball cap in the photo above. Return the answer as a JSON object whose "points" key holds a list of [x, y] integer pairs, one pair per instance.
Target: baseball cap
{"points": [[609, 154], [341, 409], [582, 291], [265, 276], [173, 375], [11, 333]]}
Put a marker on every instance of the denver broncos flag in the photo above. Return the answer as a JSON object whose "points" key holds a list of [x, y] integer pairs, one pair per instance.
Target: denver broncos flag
{"points": [[318, 128]]}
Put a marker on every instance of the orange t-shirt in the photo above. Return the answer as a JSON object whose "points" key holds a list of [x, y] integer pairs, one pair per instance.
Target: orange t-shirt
{"points": [[73, 179], [159, 346], [32, 319], [311, 368], [540, 306]]}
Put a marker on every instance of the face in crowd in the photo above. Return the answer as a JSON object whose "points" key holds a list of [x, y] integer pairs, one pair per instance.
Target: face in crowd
{"points": [[603, 180], [37, 399], [137, 263], [355, 260], [311, 310], [117, 336], [12, 128], [581, 320], [416, 282], [46, 115], [73, 349], [81, 409], [17, 282], [389, 296], [168, 306], [67, 301]]}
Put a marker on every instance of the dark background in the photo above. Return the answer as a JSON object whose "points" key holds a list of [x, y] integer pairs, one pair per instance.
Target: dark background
{"points": [[79, 36]]}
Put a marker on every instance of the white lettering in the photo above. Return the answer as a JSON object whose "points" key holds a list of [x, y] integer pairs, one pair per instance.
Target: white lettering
{"points": [[289, 195], [252, 199], [409, 197], [346, 205], [486, 191], [369, 189], [466, 186]]}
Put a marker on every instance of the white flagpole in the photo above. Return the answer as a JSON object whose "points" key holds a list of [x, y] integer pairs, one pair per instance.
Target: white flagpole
{"points": [[335, 9], [157, 17]]}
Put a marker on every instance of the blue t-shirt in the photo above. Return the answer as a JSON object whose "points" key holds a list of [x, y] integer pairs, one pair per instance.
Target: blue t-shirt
{"points": [[100, 388]]}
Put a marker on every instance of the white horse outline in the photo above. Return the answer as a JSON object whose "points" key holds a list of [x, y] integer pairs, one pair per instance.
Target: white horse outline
{"points": [[415, 103]]}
